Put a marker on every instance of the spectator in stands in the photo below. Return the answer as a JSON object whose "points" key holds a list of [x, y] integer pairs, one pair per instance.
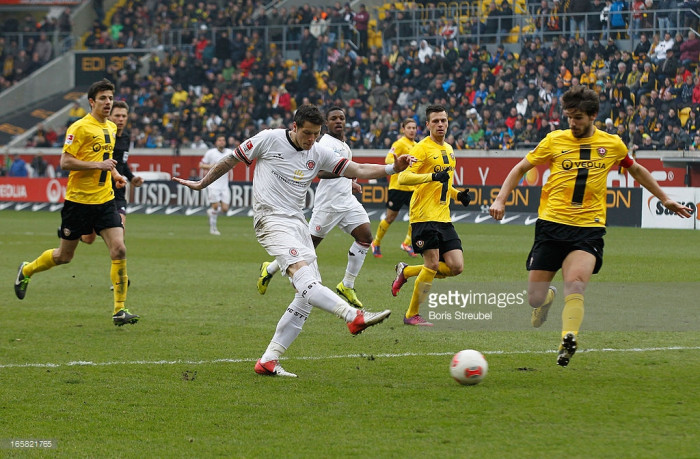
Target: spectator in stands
{"points": [[361, 22], [690, 50], [18, 167], [39, 166]]}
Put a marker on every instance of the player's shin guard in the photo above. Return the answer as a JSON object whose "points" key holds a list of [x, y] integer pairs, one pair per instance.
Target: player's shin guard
{"points": [[424, 283], [308, 284], [356, 258], [120, 281], [44, 262], [288, 328], [572, 316]]}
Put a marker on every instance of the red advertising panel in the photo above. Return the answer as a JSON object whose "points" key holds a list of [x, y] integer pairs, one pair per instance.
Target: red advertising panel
{"points": [[33, 190]]}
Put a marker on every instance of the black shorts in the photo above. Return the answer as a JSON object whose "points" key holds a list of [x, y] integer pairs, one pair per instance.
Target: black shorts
{"points": [[396, 199], [78, 219], [554, 241], [434, 235], [120, 198], [121, 205]]}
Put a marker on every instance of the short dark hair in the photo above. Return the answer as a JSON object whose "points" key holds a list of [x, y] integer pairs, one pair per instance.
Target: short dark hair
{"points": [[99, 86], [119, 104], [434, 109], [334, 108], [581, 98], [309, 113], [406, 121]]}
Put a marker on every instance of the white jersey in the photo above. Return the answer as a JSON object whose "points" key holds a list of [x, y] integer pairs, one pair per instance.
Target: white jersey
{"points": [[335, 195], [283, 173], [213, 156]]}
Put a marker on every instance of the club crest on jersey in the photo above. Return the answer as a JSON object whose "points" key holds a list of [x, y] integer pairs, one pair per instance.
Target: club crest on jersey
{"points": [[601, 152], [69, 139], [310, 164], [293, 252]]}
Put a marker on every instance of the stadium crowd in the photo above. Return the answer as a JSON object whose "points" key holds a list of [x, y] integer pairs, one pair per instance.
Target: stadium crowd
{"points": [[225, 78]]}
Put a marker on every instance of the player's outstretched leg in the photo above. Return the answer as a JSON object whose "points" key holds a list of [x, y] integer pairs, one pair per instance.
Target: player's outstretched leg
{"points": [[539, 315]]}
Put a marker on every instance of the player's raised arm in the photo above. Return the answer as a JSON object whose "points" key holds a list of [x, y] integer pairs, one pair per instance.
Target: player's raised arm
{"points": [[373, 171], [226, 164]]}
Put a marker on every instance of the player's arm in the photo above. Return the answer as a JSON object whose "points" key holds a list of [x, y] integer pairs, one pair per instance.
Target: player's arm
{"points": [[71, 163], [222, 167], [642, 175], [498, 208], [119, 179], [373, 171]]}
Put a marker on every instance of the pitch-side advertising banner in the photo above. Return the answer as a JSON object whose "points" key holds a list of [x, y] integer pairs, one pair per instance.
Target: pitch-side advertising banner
{"points": [[655, 215]]}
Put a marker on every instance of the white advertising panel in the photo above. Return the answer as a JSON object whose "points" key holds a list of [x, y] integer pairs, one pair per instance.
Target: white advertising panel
{"points": [[655, 215]]}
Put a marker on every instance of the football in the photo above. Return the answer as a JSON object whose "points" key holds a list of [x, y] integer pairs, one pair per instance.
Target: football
{"points": [[469, 367]]}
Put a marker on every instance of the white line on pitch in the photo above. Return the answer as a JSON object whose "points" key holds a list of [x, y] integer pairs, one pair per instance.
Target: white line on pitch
{"points": [[79, 363]]}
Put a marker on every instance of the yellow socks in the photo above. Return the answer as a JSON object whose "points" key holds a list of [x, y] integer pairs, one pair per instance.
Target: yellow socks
{"points": [[412, 271], [424, 283], [572, 316], [381, 231], [443, 271], [120, 281], [44, 262], [408, 241]]}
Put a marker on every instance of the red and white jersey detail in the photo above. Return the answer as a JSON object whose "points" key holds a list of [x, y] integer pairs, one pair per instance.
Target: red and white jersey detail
{"points": [[335, 194], [283, 173]]}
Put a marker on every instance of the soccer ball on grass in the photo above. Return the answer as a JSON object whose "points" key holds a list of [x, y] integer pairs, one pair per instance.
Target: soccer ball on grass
{"points": [[469, 367]]}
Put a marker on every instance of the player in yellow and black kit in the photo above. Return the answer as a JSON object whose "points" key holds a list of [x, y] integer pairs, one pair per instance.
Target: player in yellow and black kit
{"points": [[571, 225], [399, 195], [89, 205], [433, 236]]}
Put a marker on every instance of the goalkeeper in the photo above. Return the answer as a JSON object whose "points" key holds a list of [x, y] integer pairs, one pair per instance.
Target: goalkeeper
{"points": [[433, 234]]}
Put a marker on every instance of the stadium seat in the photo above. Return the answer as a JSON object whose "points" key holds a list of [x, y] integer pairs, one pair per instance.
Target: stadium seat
{"points": [[683, 115]]}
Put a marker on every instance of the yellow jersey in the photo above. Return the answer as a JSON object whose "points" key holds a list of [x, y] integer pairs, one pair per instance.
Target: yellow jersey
{"points": [[575, 192], [431, 200], [89, 140], [400, 147]]}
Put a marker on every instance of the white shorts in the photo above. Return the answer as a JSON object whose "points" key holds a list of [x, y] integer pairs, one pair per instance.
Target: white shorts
{"points": [[287, 239], [322, 221], [219, 194]]}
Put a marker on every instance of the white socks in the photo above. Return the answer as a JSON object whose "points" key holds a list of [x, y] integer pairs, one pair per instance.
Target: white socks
{"points": [[288, 328], [213, 213], [273, 267], [356, 258], [306, 282]]}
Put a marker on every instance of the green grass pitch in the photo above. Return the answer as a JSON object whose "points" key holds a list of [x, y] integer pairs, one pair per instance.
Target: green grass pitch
{"points": [[180, 383]]}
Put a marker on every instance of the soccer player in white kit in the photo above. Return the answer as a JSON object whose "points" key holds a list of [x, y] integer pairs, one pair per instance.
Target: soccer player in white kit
{"points": [[286, 163], [335, 206], [219, 192]]}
